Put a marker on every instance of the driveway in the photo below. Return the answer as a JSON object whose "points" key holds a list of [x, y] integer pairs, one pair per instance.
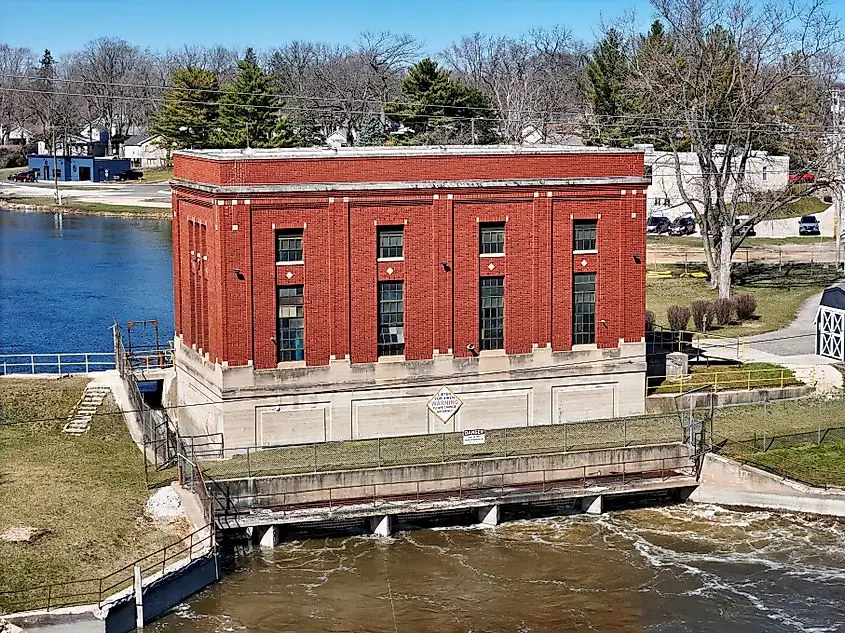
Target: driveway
{"points": [[788, 227]]}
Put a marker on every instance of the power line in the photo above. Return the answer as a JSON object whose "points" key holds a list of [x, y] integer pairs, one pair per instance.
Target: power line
{"points": [[645, 121]]}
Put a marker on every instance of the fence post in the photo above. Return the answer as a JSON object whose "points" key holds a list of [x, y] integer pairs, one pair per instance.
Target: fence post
{"points": [[749, 380], [32, 362], [715, 381], [86, 363], [139, 599], [506, 441], [59, 362], [378, 451], [248, 463], [781, 379], [625, 432], [315, 457]]}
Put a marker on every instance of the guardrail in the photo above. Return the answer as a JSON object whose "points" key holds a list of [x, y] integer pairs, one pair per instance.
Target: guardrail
{"points": [[71, 363], [97, 590], [460, 487], [724, 380]]}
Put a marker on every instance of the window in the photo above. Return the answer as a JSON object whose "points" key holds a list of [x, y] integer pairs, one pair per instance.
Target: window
{"points": [[391, 318], [584, 309], [492, 312], [492, 239], [289, 245], [585, 235], [291, 324], [390, 242]]}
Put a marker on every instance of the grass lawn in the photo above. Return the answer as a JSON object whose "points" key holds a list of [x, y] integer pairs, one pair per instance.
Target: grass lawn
{"points": [[85, 493], [822, 465], [809, 205], [728, 377], [694, 242], [158, 174], [779, 293], [89, 207]]}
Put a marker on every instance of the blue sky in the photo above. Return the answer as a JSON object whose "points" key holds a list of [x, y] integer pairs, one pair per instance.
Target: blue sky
{"points": [[64, 25]]}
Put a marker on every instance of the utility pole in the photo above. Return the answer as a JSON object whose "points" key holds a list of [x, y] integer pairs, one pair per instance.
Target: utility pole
{"points": [[836, 110], [55, 172]]}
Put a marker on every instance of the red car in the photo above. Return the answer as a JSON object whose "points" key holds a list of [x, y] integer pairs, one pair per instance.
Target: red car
{"points": [[25, 176], [795, 179]]}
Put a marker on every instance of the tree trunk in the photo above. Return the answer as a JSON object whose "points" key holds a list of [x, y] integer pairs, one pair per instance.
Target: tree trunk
{"points": [[725, 260]]}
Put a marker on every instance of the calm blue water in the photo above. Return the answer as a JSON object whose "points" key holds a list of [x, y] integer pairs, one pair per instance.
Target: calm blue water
{"points": [[63, 280]]}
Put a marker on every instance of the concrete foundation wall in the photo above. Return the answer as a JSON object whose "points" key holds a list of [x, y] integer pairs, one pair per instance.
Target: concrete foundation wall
{"points": [[347, 401], [727, 482], [670, 403], [433, 478]]}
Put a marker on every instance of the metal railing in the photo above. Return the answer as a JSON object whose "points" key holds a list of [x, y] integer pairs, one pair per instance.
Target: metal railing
{"points": [[724, 380], [97, 590], [262, 461], [459, 487], [59, 363]]}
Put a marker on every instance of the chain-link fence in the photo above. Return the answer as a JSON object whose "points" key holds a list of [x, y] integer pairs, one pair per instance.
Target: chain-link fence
{"points": [[445, 447]]}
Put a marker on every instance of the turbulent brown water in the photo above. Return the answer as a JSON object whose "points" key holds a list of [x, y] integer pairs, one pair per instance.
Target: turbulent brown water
{"points": [[682, 568]]}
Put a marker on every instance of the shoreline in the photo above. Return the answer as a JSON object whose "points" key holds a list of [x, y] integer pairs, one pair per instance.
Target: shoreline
{"points": [[155, 213]]}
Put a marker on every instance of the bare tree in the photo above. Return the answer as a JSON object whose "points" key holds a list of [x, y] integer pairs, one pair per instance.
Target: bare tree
{"points": [[531, 80], [15, 63], [720, 75]]}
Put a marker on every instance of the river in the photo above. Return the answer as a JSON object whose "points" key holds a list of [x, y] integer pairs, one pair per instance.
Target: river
{"points": [[63, 278], [675, 569]]}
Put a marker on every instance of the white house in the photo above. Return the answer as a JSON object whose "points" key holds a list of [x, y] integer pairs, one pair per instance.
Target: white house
{"points": [[144, 151], [92, 140], [763, 172], [15, 135]]}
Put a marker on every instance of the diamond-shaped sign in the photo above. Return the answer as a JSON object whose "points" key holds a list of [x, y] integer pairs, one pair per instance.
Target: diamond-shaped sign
{"points": [[444, 404]]}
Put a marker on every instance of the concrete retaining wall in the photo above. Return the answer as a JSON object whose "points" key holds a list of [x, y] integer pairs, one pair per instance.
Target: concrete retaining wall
{"points": [[669, 403], [727, 482], [434, 478]]}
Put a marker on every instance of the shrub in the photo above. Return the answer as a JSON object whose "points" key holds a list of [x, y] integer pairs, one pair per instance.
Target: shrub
{"points": [[703, 313], [724, 309], [650, 320], [746, 305], [678, 317]]}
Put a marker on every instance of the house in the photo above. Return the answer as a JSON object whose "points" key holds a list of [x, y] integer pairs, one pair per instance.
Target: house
{"points": [[144, 150], [339, 138], [763, 172], [92, 140], [15, 135], [532, 135], [324, 296]]}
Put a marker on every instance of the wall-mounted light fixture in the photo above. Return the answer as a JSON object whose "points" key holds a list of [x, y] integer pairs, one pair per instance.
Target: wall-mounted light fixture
{"points": [[445, 265], [239, 274], [637, 258]]}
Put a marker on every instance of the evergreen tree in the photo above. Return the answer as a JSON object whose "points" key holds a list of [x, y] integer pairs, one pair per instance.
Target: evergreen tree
{"points": [[440, 109], [188, 117], [250, 110], [604, 84], [372, 131]]}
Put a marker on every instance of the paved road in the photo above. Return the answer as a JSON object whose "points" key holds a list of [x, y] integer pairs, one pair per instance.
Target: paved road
{"points": [[810, 251], [134, 194]]}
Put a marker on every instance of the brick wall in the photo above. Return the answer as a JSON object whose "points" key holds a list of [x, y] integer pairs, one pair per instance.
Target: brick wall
{"points": [[340, 273], [403, 169]]}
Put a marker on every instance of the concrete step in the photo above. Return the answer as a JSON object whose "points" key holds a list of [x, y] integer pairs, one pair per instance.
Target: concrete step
{"points": [[86, 408]]}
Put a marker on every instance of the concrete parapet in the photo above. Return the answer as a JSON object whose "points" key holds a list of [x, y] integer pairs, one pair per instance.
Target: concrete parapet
{"points": [[727, 482], [671, 402]]}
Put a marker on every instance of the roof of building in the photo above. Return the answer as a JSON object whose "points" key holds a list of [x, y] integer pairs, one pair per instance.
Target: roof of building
{"points": [[139, 139], [406, 151], [833, 298]]}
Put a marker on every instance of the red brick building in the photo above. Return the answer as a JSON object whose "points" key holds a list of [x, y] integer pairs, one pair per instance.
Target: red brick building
{"points": [[485, 257]]}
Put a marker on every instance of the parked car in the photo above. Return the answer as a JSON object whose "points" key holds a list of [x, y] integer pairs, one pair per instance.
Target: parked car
{"points": [[657, 225], [682, 226], [132, 174], [30, 175], [742, 218], [801, 177], [808, 225]]}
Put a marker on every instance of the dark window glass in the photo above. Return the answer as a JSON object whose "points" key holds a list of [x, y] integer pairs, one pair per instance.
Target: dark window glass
{"points": [[291, 324], [492, 312], [289, 245], [390, 241], [492, 239], [584, 309], [585, 235], [391, 318]]}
